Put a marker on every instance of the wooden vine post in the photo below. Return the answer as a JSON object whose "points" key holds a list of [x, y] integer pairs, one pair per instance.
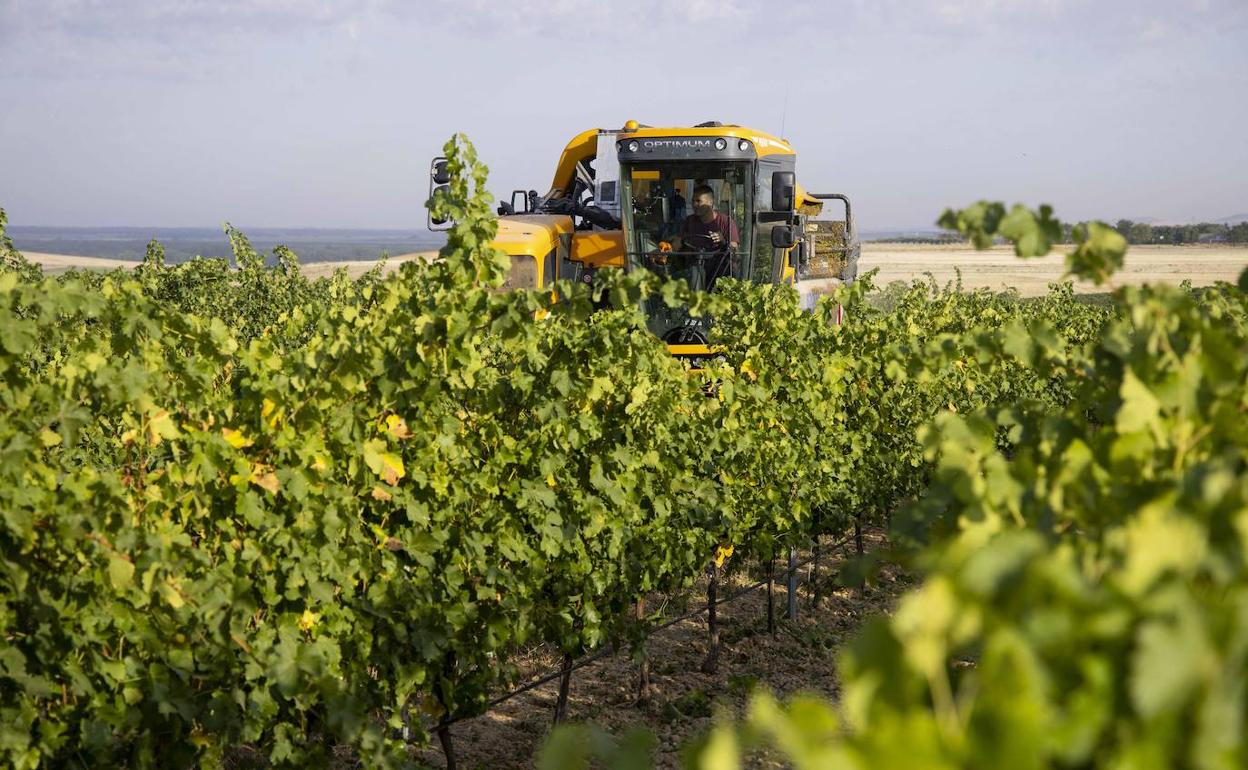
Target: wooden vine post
{"points": [[444, 727], [862, 579], [771, 596], [448, 748], [711, 664], [643, 670], [814, 569], [565, 683], [791, 613]]}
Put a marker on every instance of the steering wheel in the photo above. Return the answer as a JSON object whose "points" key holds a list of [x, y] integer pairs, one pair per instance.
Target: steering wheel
{"points": [[711, 246]]}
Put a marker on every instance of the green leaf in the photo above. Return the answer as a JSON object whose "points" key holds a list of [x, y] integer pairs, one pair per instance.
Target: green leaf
{"points": [[721, 751], [1032, 234], [1140, 409], [1171, 661], [120, 572], [1098, 253]]}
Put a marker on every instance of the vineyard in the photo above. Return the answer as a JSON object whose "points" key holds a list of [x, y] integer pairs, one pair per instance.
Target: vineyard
{"points": [[241, 506]]}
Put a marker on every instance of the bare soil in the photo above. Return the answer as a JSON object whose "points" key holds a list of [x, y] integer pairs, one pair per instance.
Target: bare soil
{"points": [[998, 268], [801, 657], [59, 263], [995, 268]]}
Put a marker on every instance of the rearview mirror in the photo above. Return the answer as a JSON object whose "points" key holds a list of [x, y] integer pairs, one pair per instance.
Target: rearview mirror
{"points": [[445, 189], [439, 179], [783, 238], [783, 187], [440, 173]]}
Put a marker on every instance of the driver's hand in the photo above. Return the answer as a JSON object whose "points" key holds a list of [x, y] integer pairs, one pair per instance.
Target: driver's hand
{"points": [[717, 238]]}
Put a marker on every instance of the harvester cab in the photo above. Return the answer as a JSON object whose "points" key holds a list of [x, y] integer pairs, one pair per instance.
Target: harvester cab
{"points": [[697, 203]]}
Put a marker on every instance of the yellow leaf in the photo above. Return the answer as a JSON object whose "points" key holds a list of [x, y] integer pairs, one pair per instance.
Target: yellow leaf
{"points": [[381, 494], [722, 554], [236, 438], [267, 481], [160, 425], [391, 468], [387, 465], [396, 426], [268, 410], [550, 480], [171, 594], [307, 621], [49, 438]]}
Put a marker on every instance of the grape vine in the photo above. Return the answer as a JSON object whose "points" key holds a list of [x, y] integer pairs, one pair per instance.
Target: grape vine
{"points": [[240, 506]]}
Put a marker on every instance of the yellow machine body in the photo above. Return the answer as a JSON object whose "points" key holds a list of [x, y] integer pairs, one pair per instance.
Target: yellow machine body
{"points": [[545, 247]]}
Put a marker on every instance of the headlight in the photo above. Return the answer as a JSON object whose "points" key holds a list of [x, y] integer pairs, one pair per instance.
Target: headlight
{"points": [[721, 144], [743, 145]]}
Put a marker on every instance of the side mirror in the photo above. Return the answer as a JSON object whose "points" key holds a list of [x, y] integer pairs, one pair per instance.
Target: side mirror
{"points": [[783, 237], [523, 205], [439, 181], [439, 172], [783, 191], [444, 189]]}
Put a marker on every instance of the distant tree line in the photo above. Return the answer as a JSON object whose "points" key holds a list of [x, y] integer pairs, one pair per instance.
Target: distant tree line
{"points": [[1205, 232]]}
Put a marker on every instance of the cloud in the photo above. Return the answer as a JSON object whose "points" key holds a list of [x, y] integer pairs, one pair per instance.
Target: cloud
{"points": [[591, 18], [181, 38], [129, 19], [165, 37], [171, 37], [1153, 30]]}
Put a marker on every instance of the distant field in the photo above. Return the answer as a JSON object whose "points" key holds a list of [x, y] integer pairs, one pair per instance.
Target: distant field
{"points": [[998, 268], [58, 263]]}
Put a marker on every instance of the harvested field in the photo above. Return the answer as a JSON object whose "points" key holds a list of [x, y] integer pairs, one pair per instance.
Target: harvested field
{"points": [[995, 268], [59, 263], [998, 268]]}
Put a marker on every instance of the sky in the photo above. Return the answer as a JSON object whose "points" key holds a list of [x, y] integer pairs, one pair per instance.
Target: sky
{"points": [[319, 113]]}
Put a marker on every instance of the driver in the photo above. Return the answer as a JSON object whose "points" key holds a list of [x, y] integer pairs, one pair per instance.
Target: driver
{"points": [[706, 227], [709, 230]]}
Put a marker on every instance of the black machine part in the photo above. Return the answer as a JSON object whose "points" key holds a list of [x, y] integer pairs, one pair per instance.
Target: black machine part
{"points": [[588, 212]]}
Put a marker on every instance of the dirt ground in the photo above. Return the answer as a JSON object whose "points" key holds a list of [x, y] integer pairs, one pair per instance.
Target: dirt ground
{"points": [[800, 657], [998, 268], [995, 268], [59, 263]]}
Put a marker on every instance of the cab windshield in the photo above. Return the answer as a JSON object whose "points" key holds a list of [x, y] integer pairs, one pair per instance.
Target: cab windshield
{"points": [[689, 219]]}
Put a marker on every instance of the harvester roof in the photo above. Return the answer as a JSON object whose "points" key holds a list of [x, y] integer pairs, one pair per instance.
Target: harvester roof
{"points": [[764, 143]]}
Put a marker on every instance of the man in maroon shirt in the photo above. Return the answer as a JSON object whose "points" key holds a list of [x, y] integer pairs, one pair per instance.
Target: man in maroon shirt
{"points": [[707, 230]]}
